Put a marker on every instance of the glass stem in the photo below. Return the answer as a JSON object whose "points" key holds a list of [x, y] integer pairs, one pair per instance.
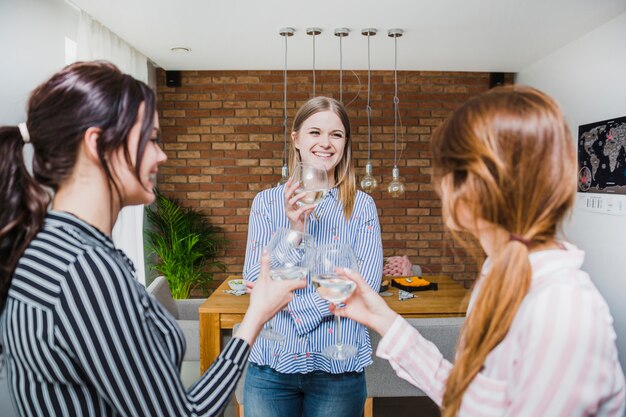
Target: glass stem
{"points": [[338, 340], [306, 224]]}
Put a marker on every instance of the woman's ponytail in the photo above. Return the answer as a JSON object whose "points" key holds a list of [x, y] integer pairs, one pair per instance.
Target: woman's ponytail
{"points": [[501, 293], [23, 205]]}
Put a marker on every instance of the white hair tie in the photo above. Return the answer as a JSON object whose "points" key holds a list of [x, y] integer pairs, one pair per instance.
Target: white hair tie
{"points": [[24, 132]]}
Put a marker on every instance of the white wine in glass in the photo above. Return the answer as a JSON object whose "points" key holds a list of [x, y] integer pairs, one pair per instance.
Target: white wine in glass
{"points": [[291, 256], [335, 289], [313, 182], [313, 197], [288, 272]]}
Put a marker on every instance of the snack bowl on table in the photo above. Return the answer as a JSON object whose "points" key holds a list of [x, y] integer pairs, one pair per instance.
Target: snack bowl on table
{"points": [[236, 285]]}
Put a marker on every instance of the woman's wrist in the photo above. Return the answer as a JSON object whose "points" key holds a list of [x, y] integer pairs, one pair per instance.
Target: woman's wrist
{"points": [[384, 321], [249, 328], [297, 226]]}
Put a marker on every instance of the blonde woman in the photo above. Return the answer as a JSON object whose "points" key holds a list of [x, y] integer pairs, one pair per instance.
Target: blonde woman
{"points": [[293, 378], [538, 339]]}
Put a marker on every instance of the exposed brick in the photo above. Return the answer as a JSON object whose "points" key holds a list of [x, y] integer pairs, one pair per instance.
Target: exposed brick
{"points": [[223, 145], [223, 134], [174, 146], [189, 138]]}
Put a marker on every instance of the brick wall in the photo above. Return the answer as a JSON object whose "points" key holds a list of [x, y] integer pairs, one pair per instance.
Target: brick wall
{"points": [[223, 134]]}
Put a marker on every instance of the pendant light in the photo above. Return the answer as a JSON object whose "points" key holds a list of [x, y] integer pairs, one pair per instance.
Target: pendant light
{"points": [[341, 33], [368, 182], [285, 32], [313, 32], [396, 186]]}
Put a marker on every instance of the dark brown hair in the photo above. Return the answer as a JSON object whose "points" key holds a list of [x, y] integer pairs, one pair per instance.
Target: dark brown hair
{"points": [[59, 112], [506, 157], [345, 178]]}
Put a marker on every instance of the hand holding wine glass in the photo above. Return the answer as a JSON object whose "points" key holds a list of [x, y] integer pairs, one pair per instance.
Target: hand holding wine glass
{"points": [[296, 213], [364, 305], [336, 288], [306, 189], [291, 254], [313, 182], [266, 299]]}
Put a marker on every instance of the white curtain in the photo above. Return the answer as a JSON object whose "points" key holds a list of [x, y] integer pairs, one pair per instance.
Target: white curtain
{"points": [[97, 42]]}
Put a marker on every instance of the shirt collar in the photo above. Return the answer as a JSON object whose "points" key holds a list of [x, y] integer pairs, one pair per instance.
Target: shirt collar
{"points": [[79, 228], [333, 192], [86, 233]]}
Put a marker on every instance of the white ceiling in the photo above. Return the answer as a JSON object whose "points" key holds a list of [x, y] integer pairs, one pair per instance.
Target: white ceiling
{"points": [[455, 35]]}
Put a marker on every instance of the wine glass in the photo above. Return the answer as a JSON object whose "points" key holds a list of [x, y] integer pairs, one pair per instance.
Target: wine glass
{"points": [[335, 288], [291, 256], [313, 182]]}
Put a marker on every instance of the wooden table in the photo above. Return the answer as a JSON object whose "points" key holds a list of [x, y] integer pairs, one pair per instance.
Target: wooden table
{"points": [[222, 311]]}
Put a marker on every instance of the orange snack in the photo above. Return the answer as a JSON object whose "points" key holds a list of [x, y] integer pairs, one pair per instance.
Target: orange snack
{"points": [[413, 283]]}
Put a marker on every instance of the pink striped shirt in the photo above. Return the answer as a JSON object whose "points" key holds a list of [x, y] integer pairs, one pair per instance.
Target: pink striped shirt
{"points": [[559, 357]]}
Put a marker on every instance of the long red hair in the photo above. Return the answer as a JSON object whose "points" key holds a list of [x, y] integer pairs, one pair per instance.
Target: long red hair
{"points": [[507, 157]]}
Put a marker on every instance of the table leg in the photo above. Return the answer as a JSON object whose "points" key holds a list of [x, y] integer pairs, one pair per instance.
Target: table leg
{"points": [[368, 409], [210, 339]]}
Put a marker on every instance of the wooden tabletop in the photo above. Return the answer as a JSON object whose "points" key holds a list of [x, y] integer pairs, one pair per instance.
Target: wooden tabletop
{"points": [[222, 310], [221, 302], [449, 300]]}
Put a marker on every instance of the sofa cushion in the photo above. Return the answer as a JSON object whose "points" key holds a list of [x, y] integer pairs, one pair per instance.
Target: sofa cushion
{"points": [[160, 290], [191, 330], [382, 380], [188, 308]]}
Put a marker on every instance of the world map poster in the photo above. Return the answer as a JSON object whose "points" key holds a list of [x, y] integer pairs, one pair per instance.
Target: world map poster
{"points": [[602, 157]]}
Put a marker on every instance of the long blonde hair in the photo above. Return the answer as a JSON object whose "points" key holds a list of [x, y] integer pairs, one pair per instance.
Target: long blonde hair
{"points": [[508, 157], [345, 178]]}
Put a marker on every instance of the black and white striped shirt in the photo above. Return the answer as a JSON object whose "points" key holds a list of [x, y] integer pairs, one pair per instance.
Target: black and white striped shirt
{"points": [[82, 337]]}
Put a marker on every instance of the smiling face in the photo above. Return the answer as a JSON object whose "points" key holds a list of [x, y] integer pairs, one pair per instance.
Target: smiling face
{"points": [[321, 141], [133, 191]]}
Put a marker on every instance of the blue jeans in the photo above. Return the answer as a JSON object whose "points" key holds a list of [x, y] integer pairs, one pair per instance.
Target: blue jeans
{"points": [[268, 393]]}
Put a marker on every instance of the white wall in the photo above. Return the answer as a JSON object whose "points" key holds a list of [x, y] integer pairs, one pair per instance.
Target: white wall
{"points": [[588, 78], [32, 41], [32, 45]]}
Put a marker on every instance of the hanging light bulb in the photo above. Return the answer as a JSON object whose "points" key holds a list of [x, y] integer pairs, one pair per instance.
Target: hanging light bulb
{"points": [[285, 32], [368, 182], [284, 175], [396, 186]]}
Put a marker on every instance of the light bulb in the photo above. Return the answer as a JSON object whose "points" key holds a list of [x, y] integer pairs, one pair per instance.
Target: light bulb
{"points": [[285, 175], [396, 186], [368, 182]]}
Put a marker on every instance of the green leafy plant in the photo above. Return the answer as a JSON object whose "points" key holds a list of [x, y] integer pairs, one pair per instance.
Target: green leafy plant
{"points": [[185, 243]]}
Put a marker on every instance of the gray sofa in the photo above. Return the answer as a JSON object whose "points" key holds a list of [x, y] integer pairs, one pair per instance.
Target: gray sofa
{"points": [[186, 314], [382, 380]]}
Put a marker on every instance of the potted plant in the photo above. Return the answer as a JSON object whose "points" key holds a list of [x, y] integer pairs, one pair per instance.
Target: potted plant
{"points": [[185, 243]]}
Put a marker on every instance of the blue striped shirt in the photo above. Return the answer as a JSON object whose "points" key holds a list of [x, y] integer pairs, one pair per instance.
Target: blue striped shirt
{"points": [[82, 337], [307, 322]]}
